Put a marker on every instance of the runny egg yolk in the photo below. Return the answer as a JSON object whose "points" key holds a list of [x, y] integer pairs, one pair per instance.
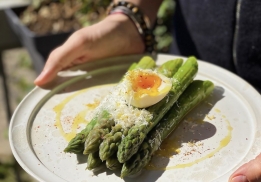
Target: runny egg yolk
{"points": [[145, 83], [146, 87]]}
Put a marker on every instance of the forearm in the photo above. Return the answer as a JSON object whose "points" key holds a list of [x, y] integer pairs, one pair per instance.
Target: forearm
{"points": [[148, 7]]}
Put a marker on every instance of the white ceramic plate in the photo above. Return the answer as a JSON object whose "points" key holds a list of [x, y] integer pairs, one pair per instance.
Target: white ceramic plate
{"points": [[218, 136]]}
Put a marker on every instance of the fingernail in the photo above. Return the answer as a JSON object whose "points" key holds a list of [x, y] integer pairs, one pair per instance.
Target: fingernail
{"points": [[239, 179]]}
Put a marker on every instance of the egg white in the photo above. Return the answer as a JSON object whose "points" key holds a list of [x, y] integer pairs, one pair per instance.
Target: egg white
{"points": [[149, 98]]}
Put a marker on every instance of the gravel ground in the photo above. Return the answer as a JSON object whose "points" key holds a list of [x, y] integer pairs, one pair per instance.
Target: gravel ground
{"points": [[20, 76]]}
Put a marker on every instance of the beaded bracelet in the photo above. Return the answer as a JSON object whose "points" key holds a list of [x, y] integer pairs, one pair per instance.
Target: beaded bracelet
{"points": [[141, 22]]}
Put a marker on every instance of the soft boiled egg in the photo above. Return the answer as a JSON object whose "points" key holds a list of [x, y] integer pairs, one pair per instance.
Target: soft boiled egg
{"points": [[146, 87]]}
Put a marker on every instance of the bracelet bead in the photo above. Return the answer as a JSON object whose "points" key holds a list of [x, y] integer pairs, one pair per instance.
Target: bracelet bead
{"points": [[141, 22]]}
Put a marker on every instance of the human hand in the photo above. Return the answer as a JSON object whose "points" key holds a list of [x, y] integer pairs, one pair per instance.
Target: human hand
{"points": [[249, 172], [116, 35]]}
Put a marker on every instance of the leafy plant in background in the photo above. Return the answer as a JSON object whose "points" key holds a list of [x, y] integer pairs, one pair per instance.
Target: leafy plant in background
{"points": [[163, 26], [56, 16], [22, 83], [19, 84]]}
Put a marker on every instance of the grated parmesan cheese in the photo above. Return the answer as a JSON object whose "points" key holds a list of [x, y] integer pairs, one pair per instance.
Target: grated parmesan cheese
{"points": [[120, 109]]}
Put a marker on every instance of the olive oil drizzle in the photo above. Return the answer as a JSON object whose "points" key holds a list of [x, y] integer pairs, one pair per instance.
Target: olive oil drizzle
{"points": [[223, 143], [79, 119]]}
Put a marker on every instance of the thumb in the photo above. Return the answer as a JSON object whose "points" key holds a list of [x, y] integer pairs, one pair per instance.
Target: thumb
{"points": [[52, 67], [249, 172], [65, 56]]}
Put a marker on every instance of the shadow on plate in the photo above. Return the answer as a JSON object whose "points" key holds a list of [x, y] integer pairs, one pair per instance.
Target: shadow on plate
{"points": [[200, 132]]}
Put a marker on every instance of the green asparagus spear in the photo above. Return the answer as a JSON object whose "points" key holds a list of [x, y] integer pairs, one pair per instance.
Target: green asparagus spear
{"points": [[184, 76], [93, 161], [132, 66], [76, 145], [196, 92], [169, 68], [112, 163], [95, 136], [93, 158], [146, 62], [111, 141]]}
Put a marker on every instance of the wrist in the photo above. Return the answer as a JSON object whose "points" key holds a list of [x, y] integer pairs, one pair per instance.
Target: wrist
{"points": [[141, 22], [148, 7], [127, 31]]}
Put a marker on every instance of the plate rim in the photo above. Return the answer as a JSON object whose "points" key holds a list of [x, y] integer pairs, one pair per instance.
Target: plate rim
{"points": [[247, 97]]}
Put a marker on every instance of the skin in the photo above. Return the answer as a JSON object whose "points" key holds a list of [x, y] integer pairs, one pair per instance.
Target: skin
{"points": [[92, 43], [249, 172], [116, 35]]}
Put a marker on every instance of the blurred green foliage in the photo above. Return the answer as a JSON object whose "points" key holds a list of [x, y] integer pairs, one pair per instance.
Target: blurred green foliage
{"points": [[22, 83], [25, 61], [88, 12], [7, 172], [162, 30]]}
